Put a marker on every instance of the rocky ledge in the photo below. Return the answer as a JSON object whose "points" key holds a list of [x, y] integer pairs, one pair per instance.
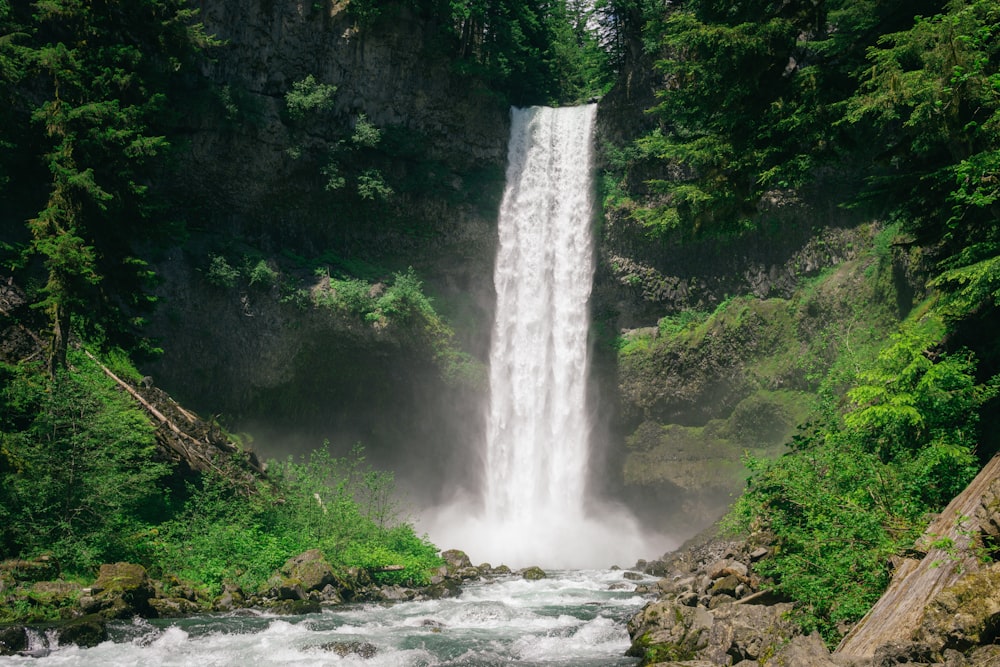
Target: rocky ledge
{"points": [[304, 584], [710, 609]]}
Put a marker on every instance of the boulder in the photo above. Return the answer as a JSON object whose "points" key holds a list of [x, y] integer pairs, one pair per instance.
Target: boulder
{"points": [[364, 650], [671, 630], [293, 607], [726, 567], [302, 575], [533, 573], [801, 650], [665, 631], [964, 615], [42, 568], [122, 590], [85, 631], [13, 638], [397, 593], [174, 607], [310, 569], [456, 559], [57, 593], [232, 597]]}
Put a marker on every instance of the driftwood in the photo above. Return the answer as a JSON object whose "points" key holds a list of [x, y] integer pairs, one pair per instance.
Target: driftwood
{"points": [[915, 583]]}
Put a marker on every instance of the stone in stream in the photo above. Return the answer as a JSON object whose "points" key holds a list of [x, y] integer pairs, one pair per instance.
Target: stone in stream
{"points": [[364, 650]]}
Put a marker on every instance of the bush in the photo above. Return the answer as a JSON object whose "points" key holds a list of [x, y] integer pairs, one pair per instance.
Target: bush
{"points": [[82, 478], [855, 490]]}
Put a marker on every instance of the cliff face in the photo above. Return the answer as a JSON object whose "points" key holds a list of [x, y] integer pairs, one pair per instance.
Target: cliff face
{"points": [[680, 401], [388, 71], [252, 186], [714, 348]]}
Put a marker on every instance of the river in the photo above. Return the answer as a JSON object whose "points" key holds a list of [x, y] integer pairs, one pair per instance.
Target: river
{"points": [[571, 618]]}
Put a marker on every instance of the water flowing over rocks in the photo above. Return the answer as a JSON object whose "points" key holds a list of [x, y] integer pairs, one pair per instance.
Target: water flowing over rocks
{"points": [[304, 584]]}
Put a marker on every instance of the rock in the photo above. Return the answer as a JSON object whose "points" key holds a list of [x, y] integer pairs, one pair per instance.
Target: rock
{"points": [[56, 592], [964, 615], [533, 573], [86, 631], [901, 653], [748, 632], [41, 568], [13, 638], [726, 568], [631, 576], [174, 607], [122, 590], [984, 656], [302, 575], [293, 607], [364, 650], [444, 589], [725, 586], [397, 593], [668, 630], [311, 570], [231, 598], [665, 631], [456, 559], [805, 650]]}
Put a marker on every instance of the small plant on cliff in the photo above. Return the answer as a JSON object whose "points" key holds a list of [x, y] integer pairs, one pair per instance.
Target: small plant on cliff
{"points": [[309, 96]]}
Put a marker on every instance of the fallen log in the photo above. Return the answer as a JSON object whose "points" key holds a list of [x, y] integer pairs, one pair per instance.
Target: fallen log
{"points": [[950, 544]]}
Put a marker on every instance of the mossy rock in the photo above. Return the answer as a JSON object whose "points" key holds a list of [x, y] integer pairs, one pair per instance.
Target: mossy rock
{"points": [[85, 631], [122, 590], [13, 638], [533, 573], [294, 607]]}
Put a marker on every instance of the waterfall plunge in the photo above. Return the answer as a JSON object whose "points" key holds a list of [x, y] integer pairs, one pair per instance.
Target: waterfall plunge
{"points": [[534, 508]]}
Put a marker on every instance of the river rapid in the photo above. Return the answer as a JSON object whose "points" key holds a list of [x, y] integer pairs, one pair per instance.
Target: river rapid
{"points": [[571, 618]]}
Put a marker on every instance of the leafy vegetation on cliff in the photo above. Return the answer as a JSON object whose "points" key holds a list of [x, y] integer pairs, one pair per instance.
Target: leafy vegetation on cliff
{"points": [[756, 99]]}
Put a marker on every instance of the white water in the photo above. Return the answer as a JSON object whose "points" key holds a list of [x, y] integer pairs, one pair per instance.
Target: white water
{"points": [[534, 507], [572, 619]]}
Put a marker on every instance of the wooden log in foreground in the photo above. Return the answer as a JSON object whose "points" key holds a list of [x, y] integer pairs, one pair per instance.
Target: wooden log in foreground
{"points": [[915, 583]]}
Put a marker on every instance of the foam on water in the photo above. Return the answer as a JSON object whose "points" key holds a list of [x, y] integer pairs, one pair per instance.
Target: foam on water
{"points": [[568, 619]]}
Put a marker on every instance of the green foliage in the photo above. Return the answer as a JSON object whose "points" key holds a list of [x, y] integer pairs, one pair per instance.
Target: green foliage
{"points": [[397, 546], [82, 475], [88, 112], [309, 97], [254, 272], [855, 491], [221, 273]]}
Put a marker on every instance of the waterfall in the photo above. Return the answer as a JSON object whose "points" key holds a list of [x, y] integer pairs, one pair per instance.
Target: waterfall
{"points": [[537, 440], [535, 507]]}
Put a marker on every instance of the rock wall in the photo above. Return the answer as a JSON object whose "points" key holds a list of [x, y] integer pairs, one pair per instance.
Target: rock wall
{"points": [[684, 400], [292, 376]]}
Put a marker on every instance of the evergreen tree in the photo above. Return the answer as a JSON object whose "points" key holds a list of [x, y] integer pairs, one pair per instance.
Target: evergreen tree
{"points": [[97, 79]]}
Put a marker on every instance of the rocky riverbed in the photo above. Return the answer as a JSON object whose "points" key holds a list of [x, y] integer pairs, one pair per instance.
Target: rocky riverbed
{"points": [[304, 584], [709, 609]]}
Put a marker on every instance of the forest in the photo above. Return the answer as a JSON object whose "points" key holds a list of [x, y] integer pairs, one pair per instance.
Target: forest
{"points": [[750, 98]]}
